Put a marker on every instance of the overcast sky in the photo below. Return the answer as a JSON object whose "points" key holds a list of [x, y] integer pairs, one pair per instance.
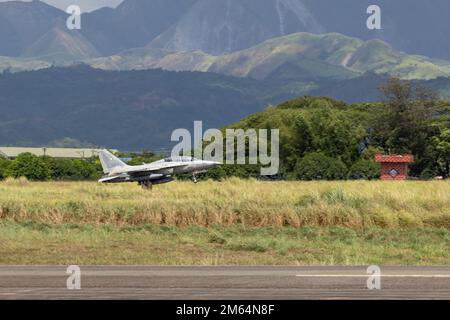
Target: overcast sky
{"points": [[85, 5]]}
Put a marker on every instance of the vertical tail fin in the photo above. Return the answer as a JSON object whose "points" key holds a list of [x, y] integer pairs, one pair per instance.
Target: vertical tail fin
{"points": [[110, 161]]}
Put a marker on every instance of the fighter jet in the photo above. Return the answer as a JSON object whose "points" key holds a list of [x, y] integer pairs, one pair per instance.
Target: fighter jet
{"points": [[148, 175]]}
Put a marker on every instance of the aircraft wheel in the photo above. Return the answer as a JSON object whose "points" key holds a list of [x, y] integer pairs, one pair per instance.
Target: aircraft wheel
{"points": [[147, 185]]}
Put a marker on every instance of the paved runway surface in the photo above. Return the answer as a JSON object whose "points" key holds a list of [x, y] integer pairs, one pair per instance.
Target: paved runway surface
{"points": [[224, 283]]}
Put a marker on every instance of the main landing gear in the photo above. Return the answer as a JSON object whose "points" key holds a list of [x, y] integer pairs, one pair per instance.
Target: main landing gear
{"points": [[146, 185], [194, 177]]}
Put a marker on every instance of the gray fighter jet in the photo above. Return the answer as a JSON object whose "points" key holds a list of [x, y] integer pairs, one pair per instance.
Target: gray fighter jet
{"points": [[147, 175]]}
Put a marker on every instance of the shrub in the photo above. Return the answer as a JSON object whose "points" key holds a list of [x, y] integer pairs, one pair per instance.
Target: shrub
{"points": [[364, 170], [30, 166], [317, 166], [4, 165], [429, 173]]}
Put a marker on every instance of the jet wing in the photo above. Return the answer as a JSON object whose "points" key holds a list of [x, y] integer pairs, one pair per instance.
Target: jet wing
{"points": [[112, 179], [156, 168]]}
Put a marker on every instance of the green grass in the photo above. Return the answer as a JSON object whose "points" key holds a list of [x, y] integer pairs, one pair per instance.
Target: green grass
{"points": [[32, 243], [235, 222]]}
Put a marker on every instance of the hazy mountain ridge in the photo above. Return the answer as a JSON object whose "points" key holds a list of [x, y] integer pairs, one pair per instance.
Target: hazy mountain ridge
{"points": [[35, 29], [129, 110], [313, 57], [224, 26], [19, 64], [139, 109], [266, 60], [134, 23], [59, 41], [332, 56]]}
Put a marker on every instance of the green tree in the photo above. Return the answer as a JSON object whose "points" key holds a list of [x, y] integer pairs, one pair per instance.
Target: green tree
{"points": [[67, 169], [364, 170], [442, 143], [402, 124], [295, 142], [4, 168], [87, 170], [139, 158], [335, 135], [304, 136], [30, 166], [318, 166]]}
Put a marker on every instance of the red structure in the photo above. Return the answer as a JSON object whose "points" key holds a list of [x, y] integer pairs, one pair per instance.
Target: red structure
{"points": [[394, 167]]}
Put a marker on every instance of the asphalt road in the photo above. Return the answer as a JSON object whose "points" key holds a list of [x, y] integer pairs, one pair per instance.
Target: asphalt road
{"points": [[224, 283]]}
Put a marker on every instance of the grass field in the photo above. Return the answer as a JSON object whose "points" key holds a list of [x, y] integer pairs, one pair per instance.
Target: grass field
{"points": [[231, 222]]}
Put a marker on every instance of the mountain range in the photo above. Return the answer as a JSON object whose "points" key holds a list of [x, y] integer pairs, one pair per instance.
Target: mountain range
{"points": [[134, 73], [295, 57], [332, 56], [129, 110], [222, 26]]}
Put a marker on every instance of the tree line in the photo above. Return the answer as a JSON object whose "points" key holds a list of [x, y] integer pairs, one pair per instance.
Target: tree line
{"points": [[44, 168], [325, 139], [320, 139]]}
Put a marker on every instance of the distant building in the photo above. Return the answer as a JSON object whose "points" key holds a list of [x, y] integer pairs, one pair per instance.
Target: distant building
{"points": [[64, 153], [394, 167]]}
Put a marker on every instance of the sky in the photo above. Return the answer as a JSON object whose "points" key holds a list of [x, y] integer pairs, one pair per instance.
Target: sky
{"points": [[85, 5]]}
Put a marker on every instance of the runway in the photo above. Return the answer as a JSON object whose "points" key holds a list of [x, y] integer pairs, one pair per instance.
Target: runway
{"points": [[223, 283]]}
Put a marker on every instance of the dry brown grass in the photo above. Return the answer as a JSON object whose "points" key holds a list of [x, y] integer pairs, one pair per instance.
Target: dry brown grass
{"points": [[355, 204]]}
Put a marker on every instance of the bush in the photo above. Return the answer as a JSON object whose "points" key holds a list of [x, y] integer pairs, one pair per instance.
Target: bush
{"points": [[364, 170], [429, 173], [48, 168], [370, 152], [65, 169], [317, 166], [30, 166], [4, 165]]}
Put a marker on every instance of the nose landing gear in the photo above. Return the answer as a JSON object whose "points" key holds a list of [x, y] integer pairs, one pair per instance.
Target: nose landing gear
{"points": [[194, 177]]}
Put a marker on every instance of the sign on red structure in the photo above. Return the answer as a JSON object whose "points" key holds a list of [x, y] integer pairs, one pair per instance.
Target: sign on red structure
{"points": [[394, 167]]}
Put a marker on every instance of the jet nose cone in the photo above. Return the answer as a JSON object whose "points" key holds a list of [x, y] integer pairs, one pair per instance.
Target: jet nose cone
{"points": [[212, 163]]}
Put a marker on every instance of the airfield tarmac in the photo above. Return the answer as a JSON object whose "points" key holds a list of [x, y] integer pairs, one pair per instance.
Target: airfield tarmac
{"points": [[223, 283]]}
